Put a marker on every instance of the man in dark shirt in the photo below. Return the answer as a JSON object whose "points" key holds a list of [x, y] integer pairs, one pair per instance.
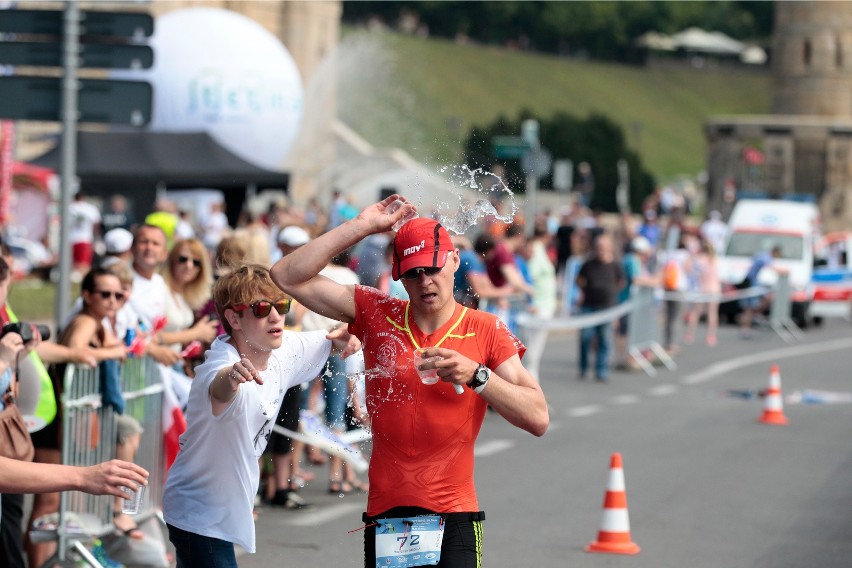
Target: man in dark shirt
{"points": [[600, 278]]}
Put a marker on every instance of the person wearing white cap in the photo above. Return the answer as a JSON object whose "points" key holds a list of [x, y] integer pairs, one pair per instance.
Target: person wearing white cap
{"points": [[117, 243]]}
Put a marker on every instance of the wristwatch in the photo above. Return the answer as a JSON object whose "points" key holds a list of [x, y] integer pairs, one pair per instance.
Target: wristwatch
{"points": [[480, 379]]}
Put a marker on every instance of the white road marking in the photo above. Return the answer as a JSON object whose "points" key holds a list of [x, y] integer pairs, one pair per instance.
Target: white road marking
{"points": [[492, 447], [717, 369], [662, 390], [582, 411], [625, 399]]}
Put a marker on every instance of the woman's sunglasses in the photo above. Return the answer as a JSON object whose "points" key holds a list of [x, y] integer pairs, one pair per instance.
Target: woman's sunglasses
{"points": [[105, 294], [262, 308], [184, 259]]}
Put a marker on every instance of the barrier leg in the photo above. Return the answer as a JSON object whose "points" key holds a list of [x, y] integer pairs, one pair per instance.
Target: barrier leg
{"points": [[637, 355]]}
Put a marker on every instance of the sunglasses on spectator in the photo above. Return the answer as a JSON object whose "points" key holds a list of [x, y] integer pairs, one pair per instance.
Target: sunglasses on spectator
{"points": [[184, 259], [105, 294], [414, 273], [262, 308]]}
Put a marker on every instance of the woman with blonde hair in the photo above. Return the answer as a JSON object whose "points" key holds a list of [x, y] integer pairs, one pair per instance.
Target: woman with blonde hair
{"points": [[189, 278]]}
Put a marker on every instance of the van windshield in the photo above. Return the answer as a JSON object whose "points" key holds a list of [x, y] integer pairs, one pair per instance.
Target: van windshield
{"points": [[749, 244]]}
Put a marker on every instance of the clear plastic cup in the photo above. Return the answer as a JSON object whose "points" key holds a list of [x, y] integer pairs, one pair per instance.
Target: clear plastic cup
{"points": [[427, 376], [133, 503], [393, 208]]}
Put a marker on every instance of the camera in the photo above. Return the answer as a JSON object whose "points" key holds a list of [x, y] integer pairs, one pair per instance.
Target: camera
{"points": [[25, 330]]}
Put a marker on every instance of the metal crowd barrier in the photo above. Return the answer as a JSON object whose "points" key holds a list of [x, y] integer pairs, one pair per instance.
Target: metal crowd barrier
{"points": [[88, 438], [644, 324]]}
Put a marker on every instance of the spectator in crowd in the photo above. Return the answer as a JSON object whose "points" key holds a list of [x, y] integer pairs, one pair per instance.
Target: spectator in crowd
{"points": [[214, 226], [107, 478], [287, 475], [83, 229], [675, 278], [101, 293], [649, 228], [150, 292], [471, 282], [372, 260], [600, 278], [756, 304], [184, 228], [336, 389], [188, 276], [544, 298], [164, 216], [117, 215], [631, 265], [585, 186], [503, 270], [410, 474], [707, 270], [255, 234], [117, 244], [386, 283], [232, 407], [12, 347], [715, 231], [563, 238]]}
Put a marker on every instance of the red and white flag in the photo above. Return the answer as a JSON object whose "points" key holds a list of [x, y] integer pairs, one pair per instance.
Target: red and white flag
{"points": [[174, 422]]}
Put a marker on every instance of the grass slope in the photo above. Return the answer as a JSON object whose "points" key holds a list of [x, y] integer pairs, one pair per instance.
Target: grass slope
{"points": [[424, 95]]}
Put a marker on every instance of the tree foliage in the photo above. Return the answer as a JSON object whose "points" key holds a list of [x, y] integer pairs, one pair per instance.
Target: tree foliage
{"points": [[601, 30], [595, 139]]}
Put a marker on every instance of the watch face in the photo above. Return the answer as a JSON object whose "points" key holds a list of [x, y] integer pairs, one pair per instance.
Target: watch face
{"points": [[481, 375]]}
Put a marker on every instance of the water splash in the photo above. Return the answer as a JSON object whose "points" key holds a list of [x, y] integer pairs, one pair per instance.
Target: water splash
{"points": [[467, 214]]}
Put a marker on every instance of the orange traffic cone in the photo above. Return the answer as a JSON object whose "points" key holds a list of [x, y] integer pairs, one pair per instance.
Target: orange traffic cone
{"points": [[614, 536], [773, 404]]}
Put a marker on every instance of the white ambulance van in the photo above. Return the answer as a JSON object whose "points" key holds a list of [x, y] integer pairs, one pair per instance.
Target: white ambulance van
{"points": [[759, 225]]}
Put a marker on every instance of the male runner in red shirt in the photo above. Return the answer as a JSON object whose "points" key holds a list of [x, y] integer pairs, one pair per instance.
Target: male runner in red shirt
{"points": [[421, 470]]}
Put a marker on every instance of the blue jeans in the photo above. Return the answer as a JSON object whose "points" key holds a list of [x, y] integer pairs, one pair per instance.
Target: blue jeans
{"points": [[603, 334], [196, 551], [336, 392]]}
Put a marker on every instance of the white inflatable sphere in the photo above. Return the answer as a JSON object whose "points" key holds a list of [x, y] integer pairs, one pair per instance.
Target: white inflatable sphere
{"points": [[218, 71]]}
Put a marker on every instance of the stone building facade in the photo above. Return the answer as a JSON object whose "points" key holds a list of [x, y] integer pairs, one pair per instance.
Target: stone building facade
{"points": [[807, 141]]}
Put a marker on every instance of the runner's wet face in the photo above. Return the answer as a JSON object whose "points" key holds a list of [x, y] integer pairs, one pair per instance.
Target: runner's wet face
{"points": [[431, 292]]}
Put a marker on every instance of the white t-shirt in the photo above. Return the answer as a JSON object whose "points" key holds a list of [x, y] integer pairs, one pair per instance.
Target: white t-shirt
{"points": [[148, 298], [84, 216], [211, 486]]}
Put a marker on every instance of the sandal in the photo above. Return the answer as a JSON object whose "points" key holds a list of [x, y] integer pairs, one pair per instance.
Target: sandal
{"points": [[129, 531], [360, 486], [339, 487]]}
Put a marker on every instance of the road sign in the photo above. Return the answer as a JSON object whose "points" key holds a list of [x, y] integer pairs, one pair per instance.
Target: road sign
{"points": [[509, 146], [92, 55], [92, 23], [100, 100], [537, 163]]}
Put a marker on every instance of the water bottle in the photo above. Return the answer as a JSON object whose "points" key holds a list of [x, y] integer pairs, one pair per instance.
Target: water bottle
{"points": [[394, 207], [128, 338]]}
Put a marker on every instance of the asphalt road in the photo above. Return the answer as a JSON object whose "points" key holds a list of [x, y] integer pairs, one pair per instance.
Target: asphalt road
{"points": [[707, 485]]}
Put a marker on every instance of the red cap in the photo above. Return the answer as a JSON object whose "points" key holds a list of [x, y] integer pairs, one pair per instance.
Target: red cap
{"points": [[420, 243]]}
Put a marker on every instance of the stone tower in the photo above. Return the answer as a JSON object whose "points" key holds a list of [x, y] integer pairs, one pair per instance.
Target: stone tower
{"points": [[807, 140], [812, 59]]}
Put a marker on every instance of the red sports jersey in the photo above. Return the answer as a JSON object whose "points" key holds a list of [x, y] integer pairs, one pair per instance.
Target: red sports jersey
{"points": [[423, 435]]}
